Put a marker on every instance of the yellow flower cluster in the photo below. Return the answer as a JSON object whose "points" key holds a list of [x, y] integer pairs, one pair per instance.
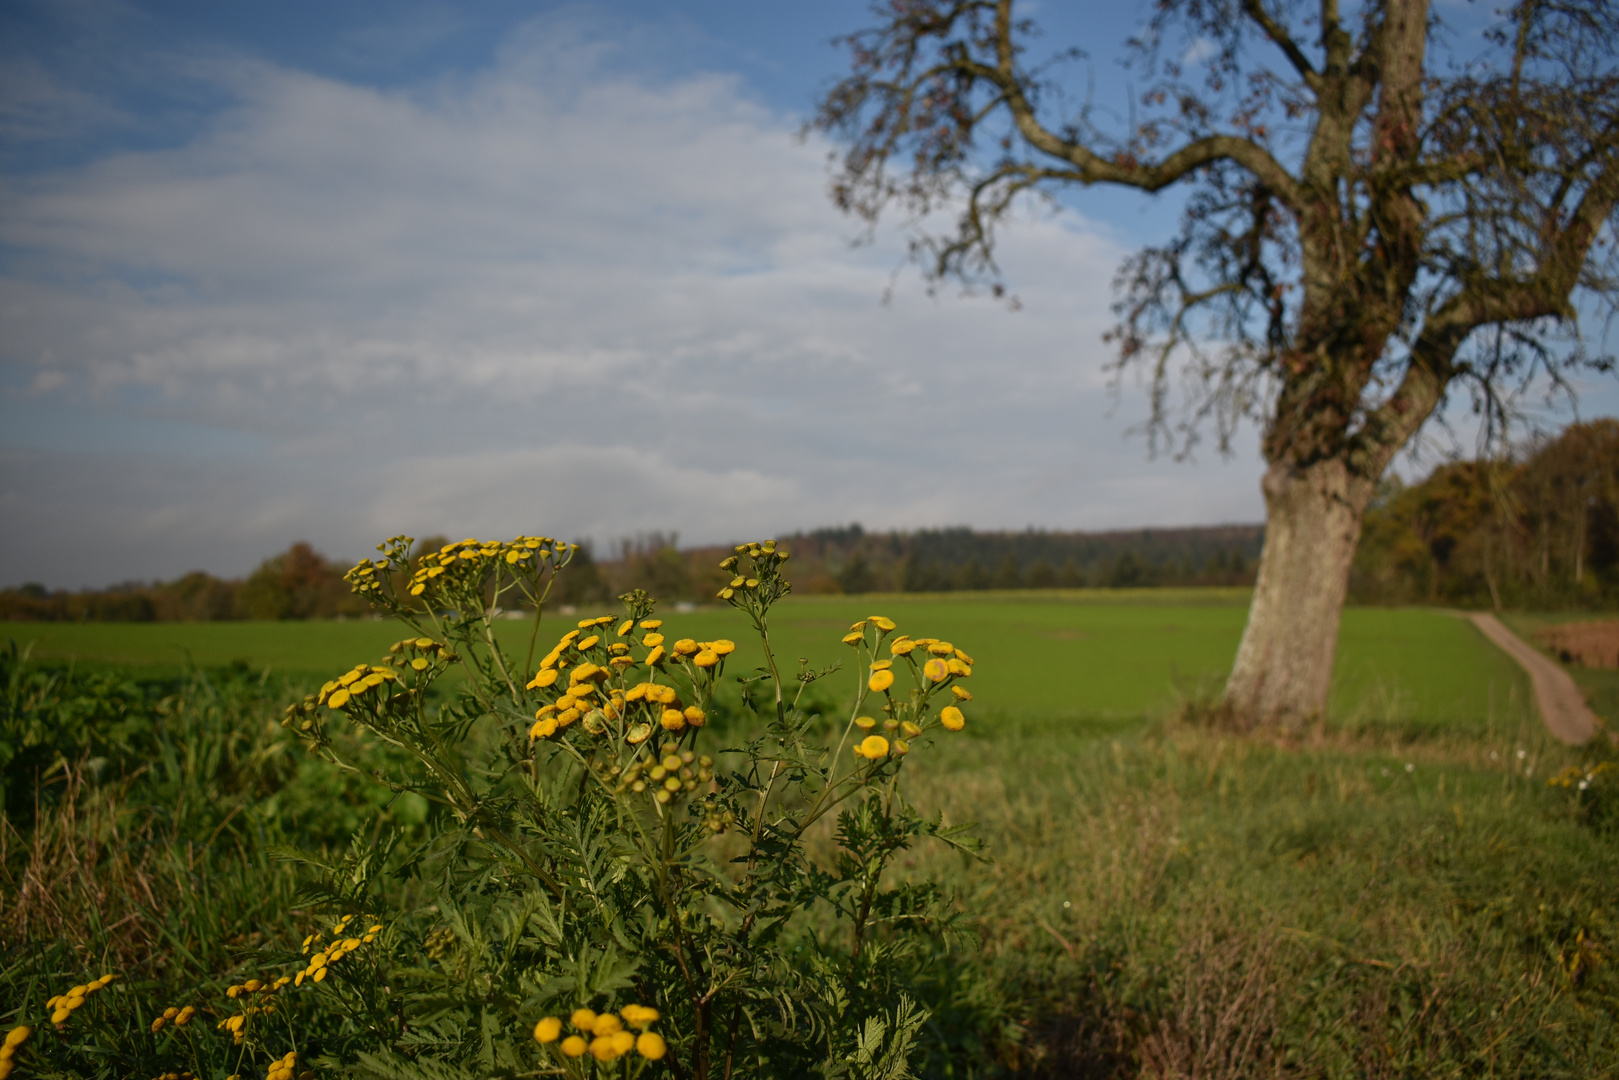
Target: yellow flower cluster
{"points": [[668, 776], [9, 1047], [522, 552], [327, 955], [596, 690], [1579, 777], [257, 994], [63, 1005], [603, 1035], [761, 584], [408, 658], [287, 1068], [179, 1016], [353, 684], [934, 665]]}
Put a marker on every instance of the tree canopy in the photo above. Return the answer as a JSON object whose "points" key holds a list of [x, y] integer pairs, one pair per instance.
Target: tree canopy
{"points": [[1383, 204]]}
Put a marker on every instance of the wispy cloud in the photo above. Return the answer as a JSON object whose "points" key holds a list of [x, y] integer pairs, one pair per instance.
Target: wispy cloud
{"points": [[547, 296]]}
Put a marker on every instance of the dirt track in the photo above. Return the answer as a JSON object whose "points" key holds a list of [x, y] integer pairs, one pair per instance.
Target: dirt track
{"points": [[1562, 705]]}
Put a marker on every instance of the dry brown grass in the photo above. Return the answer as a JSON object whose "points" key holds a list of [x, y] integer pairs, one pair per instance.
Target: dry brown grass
{"points": [[1588, 644]]}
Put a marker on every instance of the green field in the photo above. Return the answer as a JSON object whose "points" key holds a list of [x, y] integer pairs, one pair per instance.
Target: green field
{"points": [[1105, 655], [1399, 894]]}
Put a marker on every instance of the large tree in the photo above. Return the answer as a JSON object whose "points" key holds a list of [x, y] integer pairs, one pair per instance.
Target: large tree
{"points": [[1379, 210]]}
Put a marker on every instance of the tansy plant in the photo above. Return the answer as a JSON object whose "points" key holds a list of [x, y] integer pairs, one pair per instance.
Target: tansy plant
{"points": [[612, 892]]}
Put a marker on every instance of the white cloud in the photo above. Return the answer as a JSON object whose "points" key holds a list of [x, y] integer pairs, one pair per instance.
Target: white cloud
{"points": [[548, 297]]}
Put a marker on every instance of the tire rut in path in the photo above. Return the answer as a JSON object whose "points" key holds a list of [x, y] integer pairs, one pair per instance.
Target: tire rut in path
{"points": [[1561, 704]]}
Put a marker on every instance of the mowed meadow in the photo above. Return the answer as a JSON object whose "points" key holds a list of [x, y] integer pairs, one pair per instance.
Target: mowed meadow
{"points": [[1396, 892]]}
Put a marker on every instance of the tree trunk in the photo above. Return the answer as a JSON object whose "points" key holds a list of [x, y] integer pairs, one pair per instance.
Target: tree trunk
{"points": [[1284, 664]]}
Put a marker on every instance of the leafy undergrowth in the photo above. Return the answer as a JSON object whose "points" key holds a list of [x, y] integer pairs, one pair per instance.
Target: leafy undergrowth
{"points": [[1164, 899]]}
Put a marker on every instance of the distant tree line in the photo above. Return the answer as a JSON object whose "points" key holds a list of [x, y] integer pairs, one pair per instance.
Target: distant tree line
{"points": [[301, 583], [1538, 529], [849, 559]]}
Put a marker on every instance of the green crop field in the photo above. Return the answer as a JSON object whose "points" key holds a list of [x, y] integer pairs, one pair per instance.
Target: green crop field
{"points": [[1092, 654]]}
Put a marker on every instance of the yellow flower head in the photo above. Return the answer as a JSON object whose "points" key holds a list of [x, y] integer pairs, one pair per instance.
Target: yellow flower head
{"points": [[961, 693], [652, 639], [864, 723], [882, 665], [882, 622], [902, 647], [707, 658], [872, 747], [548, 1030], [880, 681], [606, 1024], [651, 1046], [625, 627], [606, 1048], [936, 670], [638, 1016], [957, 667], [541, 680], [852, 639], [695, 716], [574, 1046], [673, 720], [951, 717], [723, 647], [685, 647], [583, 1019]]}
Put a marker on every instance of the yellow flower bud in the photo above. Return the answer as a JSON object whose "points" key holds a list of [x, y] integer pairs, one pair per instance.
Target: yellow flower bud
{"points": [[872, 747]]}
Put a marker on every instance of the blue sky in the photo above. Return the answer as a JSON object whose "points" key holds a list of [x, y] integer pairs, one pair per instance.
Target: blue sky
{"points": [[280, 271]]}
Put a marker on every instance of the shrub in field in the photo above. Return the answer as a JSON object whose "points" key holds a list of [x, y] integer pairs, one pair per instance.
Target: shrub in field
{"points": [[612, 891], [603, 892]]}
